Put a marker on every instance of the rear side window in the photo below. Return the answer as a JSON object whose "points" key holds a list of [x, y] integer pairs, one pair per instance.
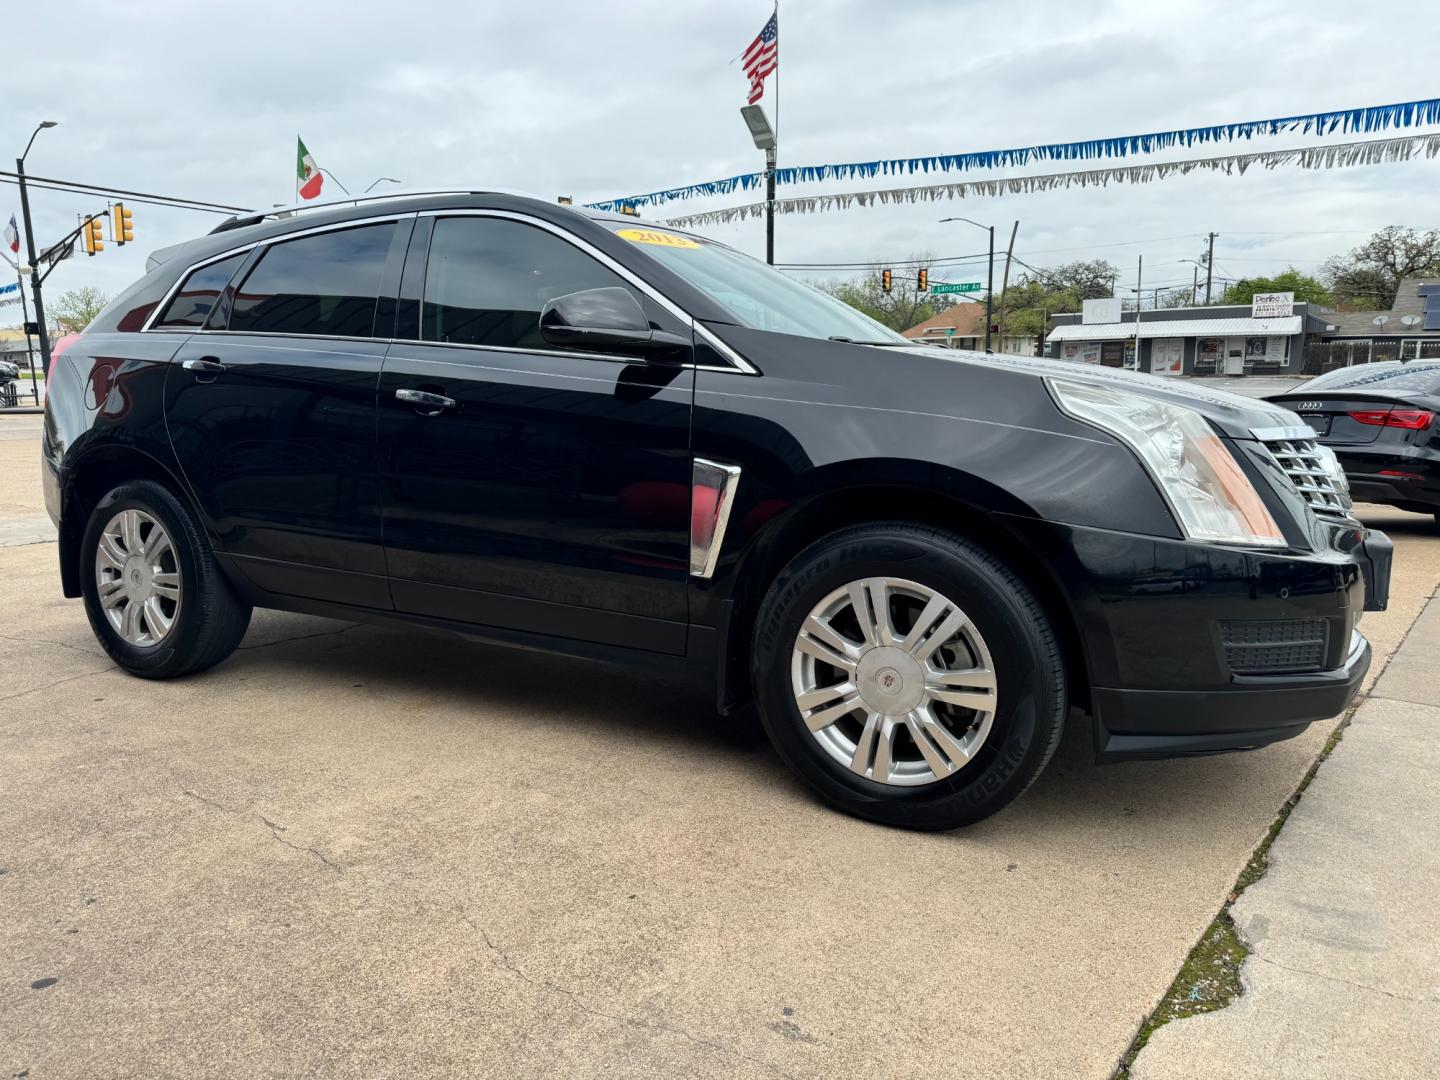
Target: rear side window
{"points": [[325, 284], [192, 305], [487, 279]]}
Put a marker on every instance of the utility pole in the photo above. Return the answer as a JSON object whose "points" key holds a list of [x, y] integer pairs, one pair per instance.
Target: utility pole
{"points": [[1210, 268], [1005, 281], [990, 288], [29, 348], [1194, 286], [30, 249], [1139, 300]]}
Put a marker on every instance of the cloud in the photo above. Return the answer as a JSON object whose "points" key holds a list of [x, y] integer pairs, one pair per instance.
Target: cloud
{"points": [[596, 101]]}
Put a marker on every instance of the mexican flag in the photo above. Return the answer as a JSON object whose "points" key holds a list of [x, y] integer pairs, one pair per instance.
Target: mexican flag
{"points": [[308, 177]]}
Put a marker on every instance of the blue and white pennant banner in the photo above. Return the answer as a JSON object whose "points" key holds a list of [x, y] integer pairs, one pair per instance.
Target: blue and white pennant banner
{"points": [[1371, 118], [1333, 156]]}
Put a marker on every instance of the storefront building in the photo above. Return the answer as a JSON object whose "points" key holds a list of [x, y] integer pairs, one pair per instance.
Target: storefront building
{"points": [[1264, 338], [1409, 330]]}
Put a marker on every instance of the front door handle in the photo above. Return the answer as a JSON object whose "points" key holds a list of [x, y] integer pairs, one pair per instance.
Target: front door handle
{"points": [[206, 365], [425, 400]]}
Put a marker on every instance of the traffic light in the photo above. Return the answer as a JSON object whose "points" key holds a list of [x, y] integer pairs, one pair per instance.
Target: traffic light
{"points": [[122, 225], [924, 282], [93, 235], [885, 280]]}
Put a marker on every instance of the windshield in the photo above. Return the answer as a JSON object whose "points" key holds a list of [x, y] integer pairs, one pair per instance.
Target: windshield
{"points": [[756, 295], [1422, 377]]}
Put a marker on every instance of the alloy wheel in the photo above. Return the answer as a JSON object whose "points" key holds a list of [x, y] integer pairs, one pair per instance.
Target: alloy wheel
{"points": [[137, 578], [894, 681]]}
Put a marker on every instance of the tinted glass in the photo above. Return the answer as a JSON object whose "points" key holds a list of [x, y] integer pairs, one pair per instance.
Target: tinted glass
{"points": [[325, 284], [193, 303], [1417, 377], [759, 297], [487, 279]]}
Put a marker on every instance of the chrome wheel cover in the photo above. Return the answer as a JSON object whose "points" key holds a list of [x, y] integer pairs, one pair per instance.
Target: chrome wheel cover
{"points": [[137, 578], [894, 681]]}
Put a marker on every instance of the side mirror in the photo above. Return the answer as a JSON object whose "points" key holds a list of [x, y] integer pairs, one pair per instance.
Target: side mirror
{"points": [[600, 318]]}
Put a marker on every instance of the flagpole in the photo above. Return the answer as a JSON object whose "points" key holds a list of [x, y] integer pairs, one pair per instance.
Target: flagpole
{"points": [[777, 71]]}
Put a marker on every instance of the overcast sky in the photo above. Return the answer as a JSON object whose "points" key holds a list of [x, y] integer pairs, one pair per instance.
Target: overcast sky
{"points": [[602, 100]]}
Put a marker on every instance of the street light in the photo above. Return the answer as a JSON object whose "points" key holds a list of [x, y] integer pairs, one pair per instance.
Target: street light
{"points": [[30, 248], [380, 180], [764, 136], [989, 273]]}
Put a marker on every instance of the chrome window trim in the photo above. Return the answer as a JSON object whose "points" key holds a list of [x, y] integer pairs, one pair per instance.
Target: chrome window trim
{"points": [[280, 238], [726, 479], [741, 365]]}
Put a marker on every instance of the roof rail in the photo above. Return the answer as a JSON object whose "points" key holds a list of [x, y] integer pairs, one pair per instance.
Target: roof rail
{"points": [[387, 196]]}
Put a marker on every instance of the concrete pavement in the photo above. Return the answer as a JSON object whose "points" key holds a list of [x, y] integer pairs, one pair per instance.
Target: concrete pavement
{"points": [[354, 851], [1343, 978]]}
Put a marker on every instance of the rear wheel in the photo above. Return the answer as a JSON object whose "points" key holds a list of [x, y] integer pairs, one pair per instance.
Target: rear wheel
{"points": [[908, 675], [154, 596]]}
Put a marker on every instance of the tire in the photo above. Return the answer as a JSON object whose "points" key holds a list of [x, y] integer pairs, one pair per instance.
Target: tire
{"points": [[207, 618], [971, 766]]}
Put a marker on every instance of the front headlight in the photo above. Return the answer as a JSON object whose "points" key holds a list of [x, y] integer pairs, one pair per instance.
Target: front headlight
{"points": [[1209, 493]]}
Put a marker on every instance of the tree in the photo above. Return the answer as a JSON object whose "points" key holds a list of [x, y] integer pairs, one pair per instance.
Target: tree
{"points": [[1369, 276], [1039, 293], [1307, 289], [77, 308], [903, 306]]}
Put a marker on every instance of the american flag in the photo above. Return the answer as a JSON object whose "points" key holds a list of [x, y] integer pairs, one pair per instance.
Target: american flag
{"points": [[762, 57]]}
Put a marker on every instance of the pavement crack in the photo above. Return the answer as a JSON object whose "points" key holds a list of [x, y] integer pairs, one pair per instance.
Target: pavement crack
{"points": [[504, 961], [51, 641], [274, 826], [58, 682], [300, 637], [1337, 979]]}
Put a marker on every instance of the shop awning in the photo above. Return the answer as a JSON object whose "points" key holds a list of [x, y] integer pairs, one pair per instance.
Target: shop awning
{"points": [[1285, 326]]}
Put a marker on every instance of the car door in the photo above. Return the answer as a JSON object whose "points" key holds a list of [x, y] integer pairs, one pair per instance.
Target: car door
{"points": [[271, 411], [551, 494]]}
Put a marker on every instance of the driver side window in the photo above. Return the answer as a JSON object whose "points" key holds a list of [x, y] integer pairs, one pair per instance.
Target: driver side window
{"points": [[487, 279]]}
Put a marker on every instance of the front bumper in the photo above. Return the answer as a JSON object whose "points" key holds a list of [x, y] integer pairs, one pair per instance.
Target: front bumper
{"points": [[1197, 649], [1253, 711]]}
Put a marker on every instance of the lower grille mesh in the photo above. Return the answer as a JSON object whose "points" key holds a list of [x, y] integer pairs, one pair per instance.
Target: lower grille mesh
{"points": [[1274, 646]]}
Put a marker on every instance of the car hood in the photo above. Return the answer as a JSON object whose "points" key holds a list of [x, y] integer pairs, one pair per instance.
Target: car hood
{"points": [[1235, 415]]}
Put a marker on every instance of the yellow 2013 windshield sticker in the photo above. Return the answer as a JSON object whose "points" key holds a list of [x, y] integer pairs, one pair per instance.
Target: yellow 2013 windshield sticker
{"points": [[659, 239]]}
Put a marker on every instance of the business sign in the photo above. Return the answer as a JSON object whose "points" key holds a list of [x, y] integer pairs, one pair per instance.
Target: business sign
{"points": [[13, 287], [942, 287], [1104, 310], [1272, 305]]}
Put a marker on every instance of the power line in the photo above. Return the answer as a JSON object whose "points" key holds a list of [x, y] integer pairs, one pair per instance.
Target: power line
{"points": [[881, 264], [75, 187]]}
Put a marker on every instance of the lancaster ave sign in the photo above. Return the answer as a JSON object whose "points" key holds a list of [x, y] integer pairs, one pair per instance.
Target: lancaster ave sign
{"points": [[947, 287]]}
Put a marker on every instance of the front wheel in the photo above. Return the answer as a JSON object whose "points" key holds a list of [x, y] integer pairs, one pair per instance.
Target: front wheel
{"points": [[155, 598], [908, 676]]}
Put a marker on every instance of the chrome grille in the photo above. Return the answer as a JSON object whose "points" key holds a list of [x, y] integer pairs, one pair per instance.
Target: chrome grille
{"points": [[1316, 474]]}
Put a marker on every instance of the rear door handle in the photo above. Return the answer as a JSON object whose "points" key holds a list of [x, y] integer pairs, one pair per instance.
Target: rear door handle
{"points": [[206, 365], [425, 399]]}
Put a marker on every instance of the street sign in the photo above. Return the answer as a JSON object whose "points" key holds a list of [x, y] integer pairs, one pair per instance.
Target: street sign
{"points": [[948, 287], [949, 331]]}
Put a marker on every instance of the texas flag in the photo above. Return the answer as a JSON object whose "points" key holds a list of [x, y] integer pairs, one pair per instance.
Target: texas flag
{"points": [[307, 174], [12, 236]]}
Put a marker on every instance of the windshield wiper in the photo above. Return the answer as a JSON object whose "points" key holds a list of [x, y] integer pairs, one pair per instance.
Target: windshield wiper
{"points": [[857, 341]]}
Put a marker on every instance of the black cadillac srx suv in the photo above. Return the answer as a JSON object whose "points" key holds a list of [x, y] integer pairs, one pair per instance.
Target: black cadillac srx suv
{"points": [[595, 436]]}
